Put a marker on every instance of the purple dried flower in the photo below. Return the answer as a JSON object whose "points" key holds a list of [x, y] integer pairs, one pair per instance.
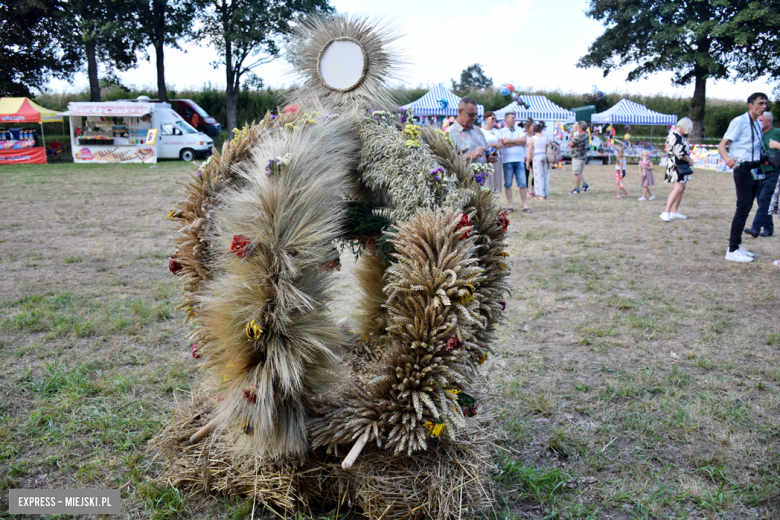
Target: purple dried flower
{"points": [[199, 170], [437, 178], [403, 113], [273, 117], [271, 162]]}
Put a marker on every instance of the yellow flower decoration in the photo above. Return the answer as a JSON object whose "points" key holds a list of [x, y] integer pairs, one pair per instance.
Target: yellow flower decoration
{"points": [[503, 265], [253, 330], [467, 297], [434, 430], [413, 131], [446, 137], [238, 133], [413, 143], [504, 254], [482, 359], [454, 391]]}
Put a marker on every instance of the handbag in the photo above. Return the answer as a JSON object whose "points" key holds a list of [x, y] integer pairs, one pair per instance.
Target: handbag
{"points": [[684, 169]]}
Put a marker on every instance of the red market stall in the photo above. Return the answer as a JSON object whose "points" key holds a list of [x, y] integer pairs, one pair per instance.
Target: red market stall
{"points": [[18, 145]]}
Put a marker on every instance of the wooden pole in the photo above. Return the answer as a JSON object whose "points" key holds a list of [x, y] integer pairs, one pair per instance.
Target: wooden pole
{"points": [[203, 432], [354, 453]]}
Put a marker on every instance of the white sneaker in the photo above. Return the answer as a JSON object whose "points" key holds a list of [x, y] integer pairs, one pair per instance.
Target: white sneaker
{"points": [[738, 256], [679, 215], [652, 197], [742, 248], [665, 217], [641, 198]]}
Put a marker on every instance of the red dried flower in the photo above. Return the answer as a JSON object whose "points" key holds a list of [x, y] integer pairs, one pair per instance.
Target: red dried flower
{"points": [[503, 306], [333, 264], [452, 344], [464, 223], [503, 220], [249, 393], [471, 412], [173, 265], [240, 246], [194, 350]]}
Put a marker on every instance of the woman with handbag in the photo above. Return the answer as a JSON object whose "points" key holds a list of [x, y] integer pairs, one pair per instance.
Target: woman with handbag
{"points": [[678, 169]]}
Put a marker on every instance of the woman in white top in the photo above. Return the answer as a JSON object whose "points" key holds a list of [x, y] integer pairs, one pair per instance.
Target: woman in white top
{"points": [[529, 178], [538, 148], [496, 180]]}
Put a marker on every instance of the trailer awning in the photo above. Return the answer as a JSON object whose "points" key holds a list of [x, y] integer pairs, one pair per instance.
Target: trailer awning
{"points": [[108, 109]]}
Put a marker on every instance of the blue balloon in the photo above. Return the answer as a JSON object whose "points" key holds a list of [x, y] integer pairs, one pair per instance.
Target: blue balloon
{"points": [[504, 91], [443, 104]]}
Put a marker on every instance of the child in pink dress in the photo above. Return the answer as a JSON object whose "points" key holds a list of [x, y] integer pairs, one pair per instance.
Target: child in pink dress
{"points": [[646, 169]]}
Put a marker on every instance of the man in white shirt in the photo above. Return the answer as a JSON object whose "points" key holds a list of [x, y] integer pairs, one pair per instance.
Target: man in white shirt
{"points": [[468, 139], [742, 144], [513, 156]]}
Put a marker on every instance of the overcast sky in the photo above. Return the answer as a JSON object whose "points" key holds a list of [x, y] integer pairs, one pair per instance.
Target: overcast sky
{"points": [[534, 44]]}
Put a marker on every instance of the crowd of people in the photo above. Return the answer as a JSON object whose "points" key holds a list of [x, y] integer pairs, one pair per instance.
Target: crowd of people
{"points": [[519, 155]]}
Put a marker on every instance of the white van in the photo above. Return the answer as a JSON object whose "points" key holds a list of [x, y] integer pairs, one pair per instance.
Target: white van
{"points": [[121, 132]]}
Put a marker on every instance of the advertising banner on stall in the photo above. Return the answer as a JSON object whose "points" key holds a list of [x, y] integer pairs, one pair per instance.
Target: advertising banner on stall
{"points": [[23, 156], [114, 154], [119, 109]]}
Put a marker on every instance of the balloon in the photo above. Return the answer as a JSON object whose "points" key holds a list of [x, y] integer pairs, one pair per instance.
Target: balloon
{"points": [[443, 103], [505, 92], [510, 87], [515, 96]]}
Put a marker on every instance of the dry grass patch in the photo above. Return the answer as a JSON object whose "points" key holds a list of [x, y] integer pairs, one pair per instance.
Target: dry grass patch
{"points": [[638, 370]]}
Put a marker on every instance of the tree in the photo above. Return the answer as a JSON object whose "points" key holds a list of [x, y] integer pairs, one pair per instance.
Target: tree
{"points": [[696, 39], [246, 34], [600, 102], [33, 48], [472, 78], [165, 22], [108, 32]]}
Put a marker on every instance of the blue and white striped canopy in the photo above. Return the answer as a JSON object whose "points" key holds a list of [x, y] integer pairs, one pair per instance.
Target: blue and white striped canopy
{"points": [[541, 109], [429, 105], [628, 112]]}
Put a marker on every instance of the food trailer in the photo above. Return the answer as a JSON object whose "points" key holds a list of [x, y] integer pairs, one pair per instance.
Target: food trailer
{"points": [[132, 132]]}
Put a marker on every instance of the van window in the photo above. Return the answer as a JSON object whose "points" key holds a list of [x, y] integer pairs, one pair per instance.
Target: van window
{"points": [[186, 127], [169, 129]]}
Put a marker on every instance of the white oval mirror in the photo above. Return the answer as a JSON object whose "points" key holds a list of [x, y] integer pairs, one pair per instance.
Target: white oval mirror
{"points": [[342, 64]]}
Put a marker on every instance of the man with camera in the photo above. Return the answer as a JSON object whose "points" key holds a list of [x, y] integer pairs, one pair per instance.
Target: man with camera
{"points": [[469, 140], [766, 187], [744, 154]]}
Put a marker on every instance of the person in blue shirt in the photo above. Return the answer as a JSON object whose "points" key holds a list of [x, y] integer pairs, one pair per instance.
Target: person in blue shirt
{"points": [[741, 150]]}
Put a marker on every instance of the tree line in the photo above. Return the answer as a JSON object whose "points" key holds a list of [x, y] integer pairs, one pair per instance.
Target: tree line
{"points": [[44, 39], [252, 103], [697, 40]]}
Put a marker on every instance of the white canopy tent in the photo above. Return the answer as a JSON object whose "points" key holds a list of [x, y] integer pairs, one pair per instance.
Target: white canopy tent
{"points": [[630, 113], [438, 102], [540, 109]]}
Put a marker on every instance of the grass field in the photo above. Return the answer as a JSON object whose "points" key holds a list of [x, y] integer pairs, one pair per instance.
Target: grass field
{"points": [[640, 370]]}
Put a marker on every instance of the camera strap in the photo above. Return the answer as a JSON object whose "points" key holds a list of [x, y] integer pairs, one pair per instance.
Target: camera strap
{"points": [[752, 138]]}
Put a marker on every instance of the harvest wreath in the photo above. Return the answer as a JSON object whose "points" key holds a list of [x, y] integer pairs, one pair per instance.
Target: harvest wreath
{"points": [[291, 392]]}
